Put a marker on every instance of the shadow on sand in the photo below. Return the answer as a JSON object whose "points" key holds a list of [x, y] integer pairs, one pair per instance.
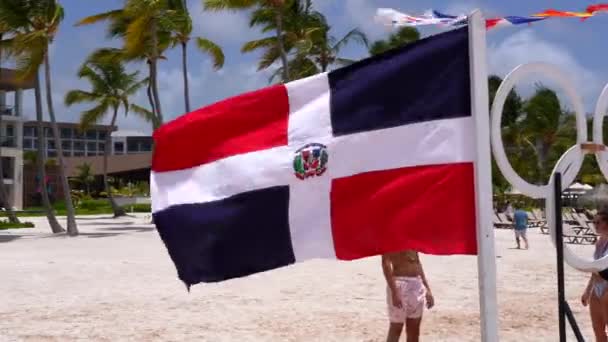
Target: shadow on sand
{"points": [[105, 232], [111, 217], [106, 223], [9, 238], [136, 229]]}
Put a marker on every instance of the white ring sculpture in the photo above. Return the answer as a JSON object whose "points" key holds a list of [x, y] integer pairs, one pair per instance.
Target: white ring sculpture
{"points": [[571, 161]]}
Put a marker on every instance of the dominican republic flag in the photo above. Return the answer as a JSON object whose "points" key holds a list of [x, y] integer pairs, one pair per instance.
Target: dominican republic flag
{"points": [[372, 158]]}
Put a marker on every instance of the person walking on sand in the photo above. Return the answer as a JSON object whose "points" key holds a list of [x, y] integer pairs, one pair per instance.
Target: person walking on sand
{"points": [[406, 294], [595, 294], [520, 226]]}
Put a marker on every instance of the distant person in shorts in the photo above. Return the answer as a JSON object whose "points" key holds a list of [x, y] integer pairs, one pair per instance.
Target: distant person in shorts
{"points": [[520, 226], [407, 294]]}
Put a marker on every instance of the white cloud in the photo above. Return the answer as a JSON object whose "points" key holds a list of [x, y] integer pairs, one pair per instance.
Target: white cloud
{"points": [[526, 46], [361, 14]]}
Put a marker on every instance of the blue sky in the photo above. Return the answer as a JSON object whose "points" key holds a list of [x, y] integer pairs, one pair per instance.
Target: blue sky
{"points": [[578, 48]]}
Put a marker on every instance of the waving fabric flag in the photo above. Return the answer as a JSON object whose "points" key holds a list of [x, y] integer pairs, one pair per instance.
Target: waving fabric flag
{"points": [[372, 158], [510, 21], [391, 17], [563, 14]]}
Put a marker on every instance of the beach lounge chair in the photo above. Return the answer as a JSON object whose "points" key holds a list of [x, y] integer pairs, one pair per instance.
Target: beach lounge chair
{"points": [[499, 224]]}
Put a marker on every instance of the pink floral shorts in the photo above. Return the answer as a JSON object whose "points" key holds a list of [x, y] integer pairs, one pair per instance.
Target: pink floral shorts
{"points": [[412, 293]]}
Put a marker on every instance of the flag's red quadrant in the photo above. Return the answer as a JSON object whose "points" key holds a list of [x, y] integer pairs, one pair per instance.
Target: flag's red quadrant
{"points": [[430, 209], [246, 123]]}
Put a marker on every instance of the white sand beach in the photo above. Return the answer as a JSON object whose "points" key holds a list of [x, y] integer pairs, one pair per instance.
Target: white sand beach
{"points": [[116, 282]]}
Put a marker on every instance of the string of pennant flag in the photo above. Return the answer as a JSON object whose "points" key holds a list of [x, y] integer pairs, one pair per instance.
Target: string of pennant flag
{"points": [[391, 17]]}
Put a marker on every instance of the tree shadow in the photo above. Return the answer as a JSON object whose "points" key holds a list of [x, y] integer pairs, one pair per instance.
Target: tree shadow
{"points": [[137, 229], [106, 223], [9, 238], [88, 218]]}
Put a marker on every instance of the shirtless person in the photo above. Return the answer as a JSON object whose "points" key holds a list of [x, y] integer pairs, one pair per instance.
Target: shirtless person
{"points": [[407, 292]]}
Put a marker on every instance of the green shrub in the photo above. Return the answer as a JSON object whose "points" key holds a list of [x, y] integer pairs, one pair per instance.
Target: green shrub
{"points": [[5, 224], [94, 205], [139, 208]]}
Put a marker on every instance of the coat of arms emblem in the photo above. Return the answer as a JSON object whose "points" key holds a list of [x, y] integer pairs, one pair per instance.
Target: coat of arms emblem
{"points": [[310, 161]]}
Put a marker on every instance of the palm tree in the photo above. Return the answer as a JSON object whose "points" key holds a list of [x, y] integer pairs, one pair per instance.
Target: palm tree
{"points": [[182, 30], [32, 26], [543, 118], [144, 26], [405, 35], [276, 8], [307, 40], [111, 88], [86, 177]]}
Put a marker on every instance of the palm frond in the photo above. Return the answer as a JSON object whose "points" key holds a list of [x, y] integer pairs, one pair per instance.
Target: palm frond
{"points": [[86, 71], [270, 56], [354, 35], [213, 50], [136, 36], [253, 45], [79, 96], [143, 113], [114, 14], [93, 115], [136, 87], [29, 63], [219, 5]]}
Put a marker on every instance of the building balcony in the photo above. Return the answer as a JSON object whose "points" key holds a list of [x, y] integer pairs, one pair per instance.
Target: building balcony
{"points": [[6, 110], [10, 82], [10, 142]]}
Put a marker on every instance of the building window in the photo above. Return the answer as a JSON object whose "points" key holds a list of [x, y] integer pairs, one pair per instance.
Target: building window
{"points": [[67, 153], [48, 132], [66, 133], [29, 131], [52, 154], [146, 146], [28, 143], [66, 145], [119, 147], [91, 153], [92, 135], [7, 167], [102, 148], [102, 135], [132, 146], [78, 153], [78, 146], [50, 144], [92, 147], [10, 131]]}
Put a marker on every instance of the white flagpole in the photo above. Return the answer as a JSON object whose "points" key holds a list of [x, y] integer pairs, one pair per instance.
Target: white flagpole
{"points": [[486, 256]]}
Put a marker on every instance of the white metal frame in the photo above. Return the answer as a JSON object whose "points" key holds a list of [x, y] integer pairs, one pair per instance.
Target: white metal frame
{"points": [[486, 256]]}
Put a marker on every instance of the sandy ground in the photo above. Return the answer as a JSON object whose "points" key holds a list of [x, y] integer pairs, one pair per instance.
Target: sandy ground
{"points": [[116, 283]]}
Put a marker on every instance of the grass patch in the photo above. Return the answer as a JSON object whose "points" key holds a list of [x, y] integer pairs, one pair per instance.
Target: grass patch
{"points": [[4, 225], [85, 207]]}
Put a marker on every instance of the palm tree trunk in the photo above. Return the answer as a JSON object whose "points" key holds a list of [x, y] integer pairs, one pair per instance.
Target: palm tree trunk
{"points": [[185, 72], [69, 206], [149, 92], [12, 218], [279, 22], [50, 215], [118, 211], [154, 73]]}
